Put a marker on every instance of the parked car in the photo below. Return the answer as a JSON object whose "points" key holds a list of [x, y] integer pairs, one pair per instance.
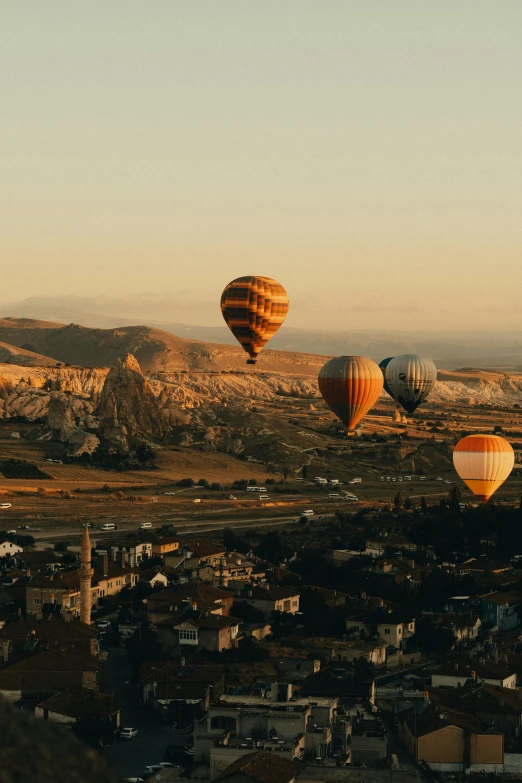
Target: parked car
{"points": [[197, 500], [169, 493], [232, 497], [156, 767], [351, 497], [5, 505], [128, 734]]}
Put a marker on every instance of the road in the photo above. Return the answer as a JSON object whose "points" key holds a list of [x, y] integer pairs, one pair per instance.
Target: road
{"points": [[130, 757]]}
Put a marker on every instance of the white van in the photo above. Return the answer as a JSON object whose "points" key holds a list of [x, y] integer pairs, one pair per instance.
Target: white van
{"points": [[355, 481], [145, 526], [108, 526], [252, 489], [307, 513], [5, 505]]}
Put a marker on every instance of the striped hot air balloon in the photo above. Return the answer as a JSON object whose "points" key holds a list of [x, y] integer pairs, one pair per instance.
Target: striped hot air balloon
{"points": [[410, 379], [254, 308], [483, 462], [350, 386]]}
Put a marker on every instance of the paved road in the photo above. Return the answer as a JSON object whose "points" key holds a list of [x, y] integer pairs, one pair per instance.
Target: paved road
{"points": [[130, 757]]}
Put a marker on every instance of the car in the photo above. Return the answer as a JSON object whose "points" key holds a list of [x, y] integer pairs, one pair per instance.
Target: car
{"points": [[264, 497], [439, 478], [388, 478], [11, 532], [422, 478], [351, 497], [5, 505], [382, 478], [393, 478], [145, 526], [169, 493], [232, 497], [307, 513], [128, 733], [134, 780], [103, 624], [355, 481], [334, 495], [156, 767], [448, 481], [400, 478], [197, 500], [463, 505]]}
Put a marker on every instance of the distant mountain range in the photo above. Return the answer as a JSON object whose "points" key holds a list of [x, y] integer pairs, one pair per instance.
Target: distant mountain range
{"points": [[501, 350]]}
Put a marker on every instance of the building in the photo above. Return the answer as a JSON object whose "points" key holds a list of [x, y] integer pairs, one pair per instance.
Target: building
{"points": [[166, 677], [495, 707], [211, 632], [390, 627], [69, 707], [161, 544], [455, 674], [376, 547], [260, 767], [450, 741], [192, 595], [51, 633], [368, 744], [8, 548], [44, 673], [129, 552], [271, 598], [499, 610], [237, 725]]}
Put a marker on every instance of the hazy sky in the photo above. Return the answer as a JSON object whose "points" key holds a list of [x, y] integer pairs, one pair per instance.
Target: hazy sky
{"points": [[367, 154]]}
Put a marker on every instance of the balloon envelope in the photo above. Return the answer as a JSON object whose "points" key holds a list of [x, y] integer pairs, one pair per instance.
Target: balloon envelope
{"points": [[254, 308], [483, 462], [350, 386], [383, 365], [410, 379]]}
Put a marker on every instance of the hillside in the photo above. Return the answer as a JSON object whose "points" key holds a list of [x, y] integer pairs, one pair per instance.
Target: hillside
{"points": [[155, 350]]}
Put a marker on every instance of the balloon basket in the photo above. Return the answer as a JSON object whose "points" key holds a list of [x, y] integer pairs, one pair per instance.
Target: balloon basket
{"points": [[251, 361]]}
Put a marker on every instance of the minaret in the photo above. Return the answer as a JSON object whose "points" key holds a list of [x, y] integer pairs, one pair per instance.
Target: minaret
{"points": [[85, 574]]}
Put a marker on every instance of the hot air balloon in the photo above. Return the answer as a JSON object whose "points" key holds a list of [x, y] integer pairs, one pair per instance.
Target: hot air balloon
{"points": [[483, 462], [383, 365], [350, 386], [410, 379], [254, 309]]}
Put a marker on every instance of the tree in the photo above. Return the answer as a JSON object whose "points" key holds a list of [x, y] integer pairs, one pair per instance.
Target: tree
{"points": [[186, 482], [424, 505], [203, 483], [454, 497], [286, 471], [304, 471], [215, 486], [408, 504], [61, 546], [398, 501]]}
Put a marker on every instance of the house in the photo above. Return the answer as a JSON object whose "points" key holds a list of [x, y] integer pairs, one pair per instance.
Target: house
{"points": [[236, 725], [296, 669], [368, 744], [260, 767], [154, 577], [193, 595], [8, 548], [492, 705], [212, 632], [464, 627], [455, 674], [46, 593], [68, 707], [450, 741], [499, 610], [129, 552], [40, 560], [271, 598], [166, 676], [482, 565], [161, 544], [233, 568], [339, 680], [375, 547], [393, 629], [47, 672], [51, 633], [197, 560]]}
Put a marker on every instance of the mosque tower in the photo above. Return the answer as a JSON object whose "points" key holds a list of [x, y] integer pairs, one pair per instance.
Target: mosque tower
{"points": [[85, 573]]}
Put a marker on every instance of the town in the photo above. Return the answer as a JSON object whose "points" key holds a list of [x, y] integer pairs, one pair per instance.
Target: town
{"points": [[379, 642]]}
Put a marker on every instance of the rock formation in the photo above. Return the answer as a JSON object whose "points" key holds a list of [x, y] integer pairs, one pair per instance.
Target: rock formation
{"points": [[128, 409]]}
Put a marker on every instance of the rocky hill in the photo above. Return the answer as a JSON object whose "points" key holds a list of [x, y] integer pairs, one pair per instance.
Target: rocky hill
{"points": [[155, 350]]}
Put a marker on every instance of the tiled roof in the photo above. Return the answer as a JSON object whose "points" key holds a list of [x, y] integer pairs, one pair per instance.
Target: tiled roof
{"points": [[263, 767], [272, 593], [82, 704], [164, 671], [54, 627], [464, 668]]}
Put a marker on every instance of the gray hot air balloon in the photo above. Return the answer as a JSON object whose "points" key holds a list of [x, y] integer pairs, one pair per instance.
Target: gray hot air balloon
{"points": [[410, 379]]}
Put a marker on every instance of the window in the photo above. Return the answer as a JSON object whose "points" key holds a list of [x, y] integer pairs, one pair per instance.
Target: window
{"points": [[399, 631], [188, 636], [110, 584], [118, 582], [387, 631], [36, 602], [102, 593]]}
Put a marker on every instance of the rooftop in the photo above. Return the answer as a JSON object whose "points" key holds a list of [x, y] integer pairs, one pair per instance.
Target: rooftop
{"points": [[79, 704], [263, 767]]}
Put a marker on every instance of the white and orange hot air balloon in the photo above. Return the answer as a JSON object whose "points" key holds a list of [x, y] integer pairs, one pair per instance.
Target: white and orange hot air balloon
{"points": [[350, 386], [483, 462]]}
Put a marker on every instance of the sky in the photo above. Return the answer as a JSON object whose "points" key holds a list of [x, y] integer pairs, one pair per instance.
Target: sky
{"points": [[365, 153]]}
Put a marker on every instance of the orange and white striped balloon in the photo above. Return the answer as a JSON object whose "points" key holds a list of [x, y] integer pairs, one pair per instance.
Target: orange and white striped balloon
{"points": [[483, 462], [350, 386]]}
